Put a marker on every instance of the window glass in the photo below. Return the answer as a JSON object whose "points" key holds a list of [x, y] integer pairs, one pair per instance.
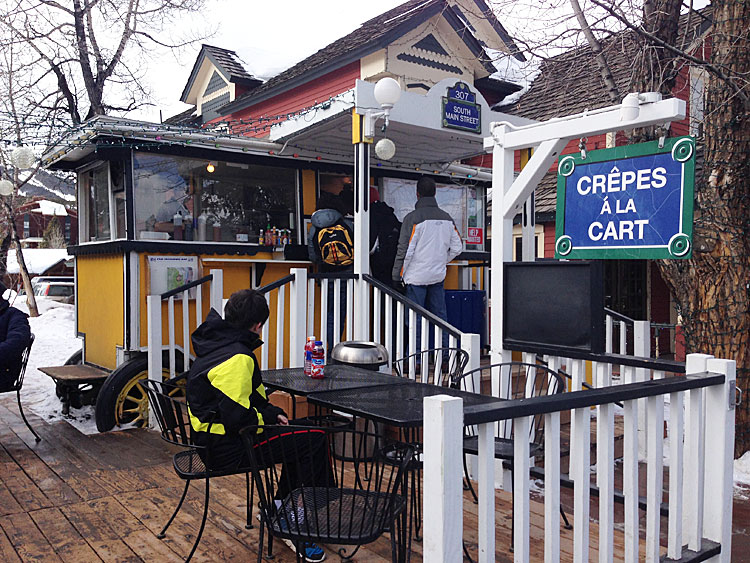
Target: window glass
{"points": [[60, 290], [95, 198], [464, 204], [180, 199]]}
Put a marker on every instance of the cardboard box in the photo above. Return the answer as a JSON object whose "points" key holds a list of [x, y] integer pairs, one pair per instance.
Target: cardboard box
{"points": [[284, 400]]}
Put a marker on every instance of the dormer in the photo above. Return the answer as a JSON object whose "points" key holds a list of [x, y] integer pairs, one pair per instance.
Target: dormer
{"points": [[218, 78]]}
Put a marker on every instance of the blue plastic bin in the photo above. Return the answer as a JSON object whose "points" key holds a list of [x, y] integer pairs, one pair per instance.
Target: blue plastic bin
{"points": [[467, 310]]}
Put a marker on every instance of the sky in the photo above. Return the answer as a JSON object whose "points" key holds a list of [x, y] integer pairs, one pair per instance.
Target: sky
{"points": [[268, 36]]}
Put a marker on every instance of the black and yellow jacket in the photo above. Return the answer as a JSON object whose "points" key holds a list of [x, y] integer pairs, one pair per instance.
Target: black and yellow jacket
{"points": [[225, 378]]}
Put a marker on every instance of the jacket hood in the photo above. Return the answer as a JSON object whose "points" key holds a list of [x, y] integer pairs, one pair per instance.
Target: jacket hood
{"points": [[215, 333], [323, 218]]}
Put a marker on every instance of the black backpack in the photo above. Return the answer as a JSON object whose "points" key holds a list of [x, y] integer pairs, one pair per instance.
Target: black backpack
{"points": [[335, 245]]}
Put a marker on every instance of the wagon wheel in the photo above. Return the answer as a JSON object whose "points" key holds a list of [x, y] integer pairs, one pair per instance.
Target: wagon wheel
{"points": [[122, 400]]}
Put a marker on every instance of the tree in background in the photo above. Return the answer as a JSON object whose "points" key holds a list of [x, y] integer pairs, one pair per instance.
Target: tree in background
{"points": [[641, 43], [53, 235]]}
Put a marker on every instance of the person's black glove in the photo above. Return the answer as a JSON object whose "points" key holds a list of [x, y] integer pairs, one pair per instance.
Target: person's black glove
{"points": [[399, 286]]}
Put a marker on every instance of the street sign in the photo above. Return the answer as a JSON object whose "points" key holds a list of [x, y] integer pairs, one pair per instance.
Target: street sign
{"points": [[634, 201], [460, 110]]}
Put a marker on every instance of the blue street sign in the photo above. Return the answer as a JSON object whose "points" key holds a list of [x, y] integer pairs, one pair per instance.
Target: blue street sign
{"points": [[634, 201], [460, 110]]}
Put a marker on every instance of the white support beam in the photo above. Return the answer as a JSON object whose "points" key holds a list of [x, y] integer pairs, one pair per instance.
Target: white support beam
{"points": [[587, 123], [528, 179]]}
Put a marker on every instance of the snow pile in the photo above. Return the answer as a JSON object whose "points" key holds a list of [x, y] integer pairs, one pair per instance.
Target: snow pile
{"points": [[742, 476], [55, 341], [38, 260]]}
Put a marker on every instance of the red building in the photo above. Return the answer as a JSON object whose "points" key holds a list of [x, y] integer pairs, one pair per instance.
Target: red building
{"points": [[38, 217]]}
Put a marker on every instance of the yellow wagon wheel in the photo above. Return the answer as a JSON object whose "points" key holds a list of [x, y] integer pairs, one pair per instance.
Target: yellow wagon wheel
{"points": [[122, 400]]}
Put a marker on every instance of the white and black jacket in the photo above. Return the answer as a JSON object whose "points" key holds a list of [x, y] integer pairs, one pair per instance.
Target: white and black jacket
{"points": [[428, 242]]}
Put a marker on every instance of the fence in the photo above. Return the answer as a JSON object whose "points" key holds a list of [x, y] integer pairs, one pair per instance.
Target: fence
{"points": [[298, 305], [699, 486]]}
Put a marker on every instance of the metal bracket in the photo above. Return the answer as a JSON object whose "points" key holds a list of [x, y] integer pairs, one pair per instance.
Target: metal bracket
{"points": [[735, 395]]}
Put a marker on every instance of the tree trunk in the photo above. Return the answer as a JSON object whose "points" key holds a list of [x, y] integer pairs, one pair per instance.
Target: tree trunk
{"points": [[713, 287]]}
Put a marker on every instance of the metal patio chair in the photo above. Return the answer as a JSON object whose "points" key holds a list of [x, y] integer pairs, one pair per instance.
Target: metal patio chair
{"points": [[18, 384], [167, 405], [359, 502], [518, 380]]}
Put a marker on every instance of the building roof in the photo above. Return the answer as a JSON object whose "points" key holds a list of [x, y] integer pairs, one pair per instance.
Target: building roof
{"points": [[38, 260], [227, 62], [372, 35]]}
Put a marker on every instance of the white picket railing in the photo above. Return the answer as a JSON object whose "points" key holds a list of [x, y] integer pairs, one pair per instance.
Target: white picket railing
{"points": [[294, 306], [701, 448]]}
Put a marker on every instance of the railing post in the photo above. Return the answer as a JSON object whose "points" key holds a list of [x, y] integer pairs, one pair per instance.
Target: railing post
{"points": [[443, 506], [692, 515], [297, 318], [642, 348], [719, 459], [153, 312], [217, 291]]}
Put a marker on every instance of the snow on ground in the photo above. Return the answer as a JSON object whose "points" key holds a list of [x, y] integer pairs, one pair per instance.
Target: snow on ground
{"points": [[55, 342]]}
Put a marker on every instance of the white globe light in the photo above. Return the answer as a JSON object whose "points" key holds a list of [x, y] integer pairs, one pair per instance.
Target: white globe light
{"points": [[6, 187], [387, 92], [385, 149], [23, 158]]}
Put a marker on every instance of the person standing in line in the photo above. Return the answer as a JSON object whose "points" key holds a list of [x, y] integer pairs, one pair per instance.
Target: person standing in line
{"points": [[385, 229], [15, 335], [428, 241]]}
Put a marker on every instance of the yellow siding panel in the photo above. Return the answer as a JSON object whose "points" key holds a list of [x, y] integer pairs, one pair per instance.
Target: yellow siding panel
{"points": [[308, 191], [100, 305]]}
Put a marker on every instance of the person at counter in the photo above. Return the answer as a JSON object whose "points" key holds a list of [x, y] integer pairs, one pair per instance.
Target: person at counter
{"points": [[428, 241]]}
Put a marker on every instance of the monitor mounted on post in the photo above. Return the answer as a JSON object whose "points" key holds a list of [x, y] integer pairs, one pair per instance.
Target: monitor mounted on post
{"points": [[553, 307]]}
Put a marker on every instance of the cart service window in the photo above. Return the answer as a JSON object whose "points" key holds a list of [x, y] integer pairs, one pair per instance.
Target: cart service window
{"points": [[94, 197], [180, 198], [464, 204]]}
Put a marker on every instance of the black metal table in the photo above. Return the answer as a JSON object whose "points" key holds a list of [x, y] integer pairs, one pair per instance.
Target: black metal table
{"points": [[337, 378], [400, 406]]}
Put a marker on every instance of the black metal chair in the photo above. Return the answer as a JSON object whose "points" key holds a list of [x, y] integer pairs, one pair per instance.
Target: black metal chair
{"points": [[358, 502], [517, 380], [167, 405], [18, 384], [435, 366]]}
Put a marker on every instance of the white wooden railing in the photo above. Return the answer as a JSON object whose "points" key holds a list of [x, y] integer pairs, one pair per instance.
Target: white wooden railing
{"points": [[294, 307], [701, 446]]}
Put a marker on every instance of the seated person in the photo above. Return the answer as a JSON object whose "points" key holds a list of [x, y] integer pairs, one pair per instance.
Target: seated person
{"points": [[225, 378], [15, 335]]}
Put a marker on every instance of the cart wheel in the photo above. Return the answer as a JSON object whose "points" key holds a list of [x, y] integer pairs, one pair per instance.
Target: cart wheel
{"points": [[76, 359], [121, 399]]}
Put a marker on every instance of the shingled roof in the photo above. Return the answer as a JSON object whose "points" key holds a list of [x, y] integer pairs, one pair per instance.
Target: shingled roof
{"points": [[372, 35], [225, 60]]}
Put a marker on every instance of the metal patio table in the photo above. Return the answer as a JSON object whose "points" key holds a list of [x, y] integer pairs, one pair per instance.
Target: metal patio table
{"points": [[400, 406], [337, 378]]}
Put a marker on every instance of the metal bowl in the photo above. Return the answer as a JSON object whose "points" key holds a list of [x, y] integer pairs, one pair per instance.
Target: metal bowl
{"points": [[369, 355]]}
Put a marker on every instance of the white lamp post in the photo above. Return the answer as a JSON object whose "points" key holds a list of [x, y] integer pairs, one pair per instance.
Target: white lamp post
{"points": [[387, 92]]}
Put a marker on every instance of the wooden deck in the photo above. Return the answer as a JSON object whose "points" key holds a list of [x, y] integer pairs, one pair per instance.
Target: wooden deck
{"points": [[80, 498]]}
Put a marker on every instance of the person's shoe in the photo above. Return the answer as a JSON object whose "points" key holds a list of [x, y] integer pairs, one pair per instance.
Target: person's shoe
{"points": [[311, 552]]}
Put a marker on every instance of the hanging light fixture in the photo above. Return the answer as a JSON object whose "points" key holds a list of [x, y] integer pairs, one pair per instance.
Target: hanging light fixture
{"points": [[385, 149], [210, 167], [6, 187], [23, 158]]}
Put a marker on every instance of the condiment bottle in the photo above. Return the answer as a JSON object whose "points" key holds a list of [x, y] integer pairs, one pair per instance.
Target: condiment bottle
{"points": [[318, 361], [177, 222]]}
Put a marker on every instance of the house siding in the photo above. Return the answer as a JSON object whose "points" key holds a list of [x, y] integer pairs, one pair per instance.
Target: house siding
{"points": [[318, 90]]}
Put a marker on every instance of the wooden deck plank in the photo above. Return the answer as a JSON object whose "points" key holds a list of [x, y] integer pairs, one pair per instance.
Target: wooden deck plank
{"points": [[23, 489], [7, 553], [29, 543], [69, 545], [103, 539]]}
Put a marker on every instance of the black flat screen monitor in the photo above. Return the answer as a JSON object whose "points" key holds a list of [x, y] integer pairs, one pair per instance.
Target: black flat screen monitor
{"points": [[553, 307]]}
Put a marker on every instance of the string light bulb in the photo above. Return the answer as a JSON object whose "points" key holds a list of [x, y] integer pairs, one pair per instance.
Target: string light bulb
{"points": [[6, 187], [210, 167]]}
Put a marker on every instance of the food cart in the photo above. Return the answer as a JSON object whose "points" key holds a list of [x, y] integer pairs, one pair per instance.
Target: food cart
{"points": [[160, 206]]}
